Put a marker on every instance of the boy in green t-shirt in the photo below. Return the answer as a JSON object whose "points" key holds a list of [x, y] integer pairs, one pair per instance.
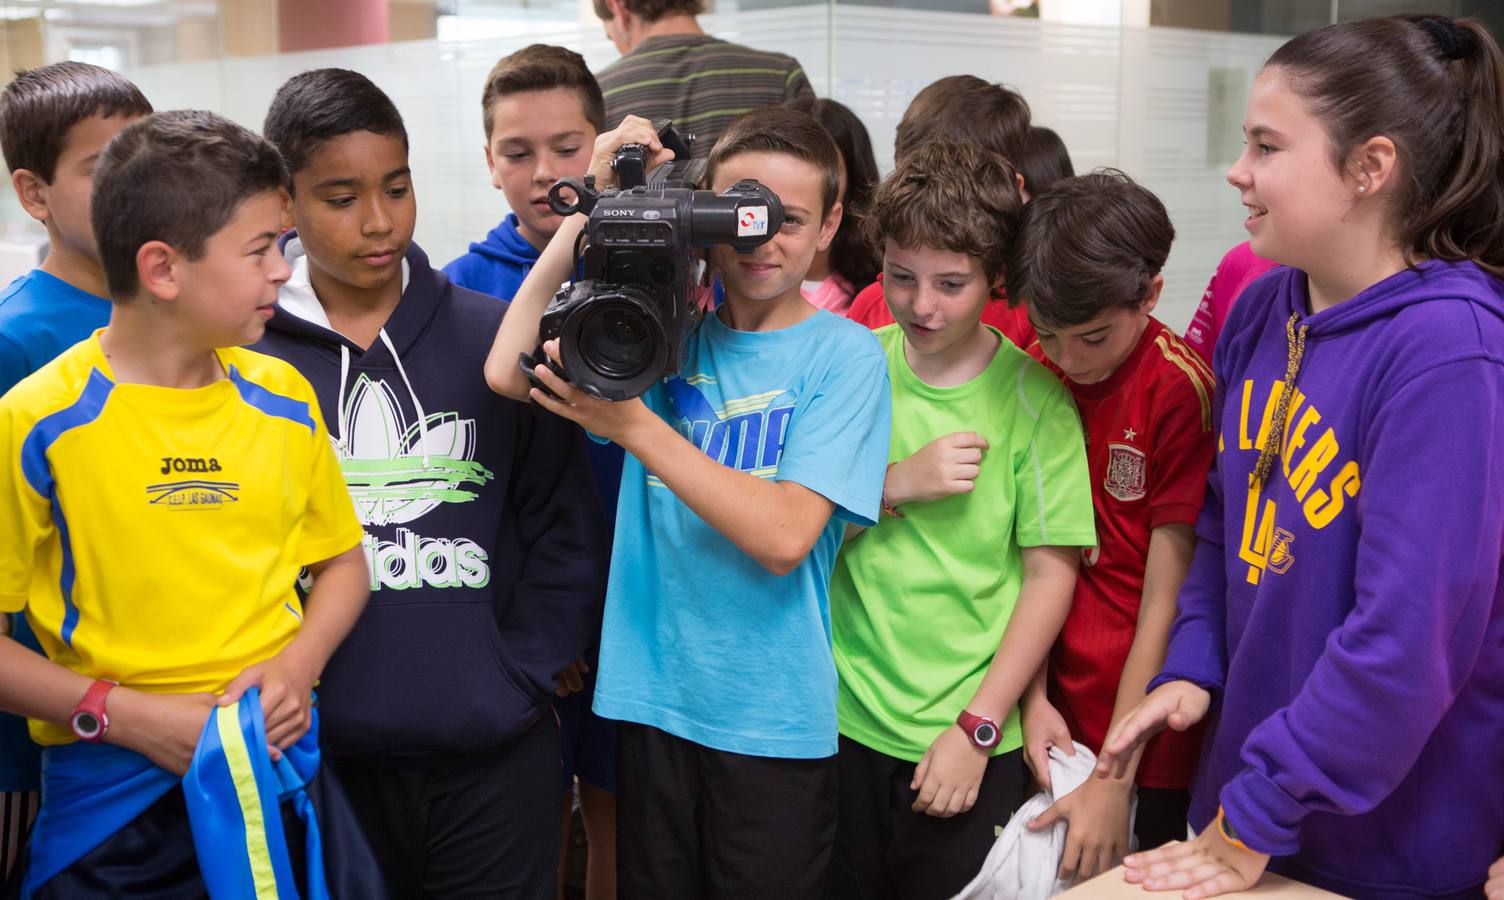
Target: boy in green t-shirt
{"points": [[942, 613]]}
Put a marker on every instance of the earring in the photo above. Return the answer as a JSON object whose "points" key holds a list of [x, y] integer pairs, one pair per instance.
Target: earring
{"points": [[1362, 188]]}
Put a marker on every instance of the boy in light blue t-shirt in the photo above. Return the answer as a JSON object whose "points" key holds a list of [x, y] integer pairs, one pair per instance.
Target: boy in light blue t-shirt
{"points": [[53, 123], [742, 472]]}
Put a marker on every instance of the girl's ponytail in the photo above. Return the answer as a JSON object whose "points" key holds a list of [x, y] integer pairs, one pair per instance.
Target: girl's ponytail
{"points": [[1435, 87], [1465, 217]]}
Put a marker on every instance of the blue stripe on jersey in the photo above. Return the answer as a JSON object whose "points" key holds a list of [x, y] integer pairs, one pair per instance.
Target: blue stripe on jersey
{"points": [[85, 409], [38, 473], [270, 403]]}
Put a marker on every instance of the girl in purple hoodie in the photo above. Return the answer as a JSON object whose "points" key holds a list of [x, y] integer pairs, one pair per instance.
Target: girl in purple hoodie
{"points": [[1343, 620]]}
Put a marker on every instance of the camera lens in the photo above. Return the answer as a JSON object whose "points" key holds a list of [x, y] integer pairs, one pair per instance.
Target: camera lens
{"points": [[616, 340]]}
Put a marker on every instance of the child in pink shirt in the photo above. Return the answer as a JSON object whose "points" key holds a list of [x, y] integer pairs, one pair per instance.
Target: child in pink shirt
{"points": [[1236, 271]]}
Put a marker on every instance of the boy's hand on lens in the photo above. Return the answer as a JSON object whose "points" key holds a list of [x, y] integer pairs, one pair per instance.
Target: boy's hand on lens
{"points": [[286, 699], [1096, 837], [571, 678], [165, 728], [1043, 728], [604, 418], [1178, 704], [949, 775], [1205, 867], [945, 466], [1495, 887], [633, 130]]}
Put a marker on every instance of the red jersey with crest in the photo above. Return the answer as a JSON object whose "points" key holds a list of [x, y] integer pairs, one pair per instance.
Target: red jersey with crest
{"points": [[1149, 445]]}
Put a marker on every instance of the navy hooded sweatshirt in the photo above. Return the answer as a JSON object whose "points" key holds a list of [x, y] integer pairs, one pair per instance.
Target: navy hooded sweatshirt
{"points": [[483, 531]]}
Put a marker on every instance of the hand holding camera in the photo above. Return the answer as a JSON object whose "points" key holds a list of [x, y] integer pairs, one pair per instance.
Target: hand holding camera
{"points": [[624, 325], [634, 130]]}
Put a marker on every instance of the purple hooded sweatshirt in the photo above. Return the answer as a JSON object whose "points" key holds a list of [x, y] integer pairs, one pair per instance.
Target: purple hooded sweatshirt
{"points": [[1348, 617]]}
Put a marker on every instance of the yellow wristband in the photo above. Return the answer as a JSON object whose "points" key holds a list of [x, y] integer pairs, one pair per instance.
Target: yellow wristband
{"points": [[1225, 829]]}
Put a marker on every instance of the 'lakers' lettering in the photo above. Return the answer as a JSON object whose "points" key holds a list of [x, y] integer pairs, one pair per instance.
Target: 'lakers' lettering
{"points": [[1309, 461]]}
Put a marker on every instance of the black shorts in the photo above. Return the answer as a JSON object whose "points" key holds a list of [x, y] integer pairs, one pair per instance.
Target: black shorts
{"points": [[477, 826], [702, 823], [886, 850]]}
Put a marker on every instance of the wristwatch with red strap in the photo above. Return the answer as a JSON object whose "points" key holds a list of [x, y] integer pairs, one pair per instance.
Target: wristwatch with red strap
{"points": [[90, 721], [980, 730]]}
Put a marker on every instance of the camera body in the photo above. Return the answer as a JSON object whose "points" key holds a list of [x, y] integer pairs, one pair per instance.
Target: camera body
{"points": [[623, 325]]}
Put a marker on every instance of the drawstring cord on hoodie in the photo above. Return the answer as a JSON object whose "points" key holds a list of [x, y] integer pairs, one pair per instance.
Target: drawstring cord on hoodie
{"points": [[344, 376], [1295, 344]]}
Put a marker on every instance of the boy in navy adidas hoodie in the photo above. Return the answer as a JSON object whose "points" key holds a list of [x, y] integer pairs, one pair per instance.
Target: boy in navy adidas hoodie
{"points": [[482, 529]]}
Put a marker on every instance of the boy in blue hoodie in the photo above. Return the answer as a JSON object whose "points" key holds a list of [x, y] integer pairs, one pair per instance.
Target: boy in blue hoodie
{"points": [[482, 530], [542, 109], [53, 123]]}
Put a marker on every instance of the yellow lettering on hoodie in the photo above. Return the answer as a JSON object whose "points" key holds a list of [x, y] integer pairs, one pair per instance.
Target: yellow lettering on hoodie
{"points": [[1258, 534], [1297, 439], [1323, 507], [1309, 469]]}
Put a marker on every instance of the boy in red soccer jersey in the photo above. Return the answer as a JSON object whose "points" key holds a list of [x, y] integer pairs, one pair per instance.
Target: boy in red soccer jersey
{"points": [[1087, 262]]}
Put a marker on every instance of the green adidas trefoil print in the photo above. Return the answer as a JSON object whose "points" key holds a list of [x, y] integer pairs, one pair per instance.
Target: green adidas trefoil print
{"points": [[381, 457]]}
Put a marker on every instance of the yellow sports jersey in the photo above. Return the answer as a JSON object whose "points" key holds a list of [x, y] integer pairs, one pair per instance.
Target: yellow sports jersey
{"points": [[154, 535]]}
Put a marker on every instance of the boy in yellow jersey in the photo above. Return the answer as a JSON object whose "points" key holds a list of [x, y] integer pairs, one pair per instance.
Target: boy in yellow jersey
{"points": [[159, 491]]}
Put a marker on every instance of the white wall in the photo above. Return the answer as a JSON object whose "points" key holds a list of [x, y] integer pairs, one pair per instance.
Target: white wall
{"points": [[1162, 104]]}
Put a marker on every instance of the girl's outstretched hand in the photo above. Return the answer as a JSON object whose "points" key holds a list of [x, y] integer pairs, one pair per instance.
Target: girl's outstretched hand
{"points": [[1178, 704], [1205, 867]]}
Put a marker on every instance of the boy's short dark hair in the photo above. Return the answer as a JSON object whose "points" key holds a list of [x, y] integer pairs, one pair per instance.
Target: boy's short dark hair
{"points": [[964, 107], [950, 195], [653, 10], [1086, 245], [39, 106], [175, 177], [542, 67], [1043, 160], [779, 129], [322, 104]]}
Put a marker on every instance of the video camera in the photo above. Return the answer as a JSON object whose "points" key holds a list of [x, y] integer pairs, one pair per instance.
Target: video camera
{"points": [[623, 325]]}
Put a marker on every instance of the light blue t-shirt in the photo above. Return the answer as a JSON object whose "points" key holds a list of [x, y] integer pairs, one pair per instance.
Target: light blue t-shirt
{"points": [[40, 316], [700, 640]]}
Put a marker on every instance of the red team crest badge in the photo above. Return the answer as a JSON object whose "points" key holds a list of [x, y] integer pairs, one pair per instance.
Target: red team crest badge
{"points": [[1125, 472]]}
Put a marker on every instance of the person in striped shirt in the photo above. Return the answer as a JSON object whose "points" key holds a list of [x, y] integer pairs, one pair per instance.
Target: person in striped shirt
{"points": [[670, 68]]}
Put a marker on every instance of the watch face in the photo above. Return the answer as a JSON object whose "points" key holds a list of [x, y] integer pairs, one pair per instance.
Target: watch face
{"points": [[985, 735], [86, 725]]}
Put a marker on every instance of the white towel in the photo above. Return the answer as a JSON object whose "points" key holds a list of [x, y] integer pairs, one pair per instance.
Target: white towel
{"points": [[1023, 863]]}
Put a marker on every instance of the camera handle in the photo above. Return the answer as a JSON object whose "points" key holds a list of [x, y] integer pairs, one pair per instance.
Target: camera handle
{"points": [[539, 358], [585, 195]]}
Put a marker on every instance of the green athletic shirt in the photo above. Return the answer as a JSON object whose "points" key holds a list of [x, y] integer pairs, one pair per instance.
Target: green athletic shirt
{"points": [[918, 604]]}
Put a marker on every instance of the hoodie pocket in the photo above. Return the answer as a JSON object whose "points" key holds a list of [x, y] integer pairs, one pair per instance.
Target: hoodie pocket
{"points": [[422, 679]]}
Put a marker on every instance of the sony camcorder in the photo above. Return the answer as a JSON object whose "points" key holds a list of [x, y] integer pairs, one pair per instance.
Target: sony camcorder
{"points": [[623, 325]]}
